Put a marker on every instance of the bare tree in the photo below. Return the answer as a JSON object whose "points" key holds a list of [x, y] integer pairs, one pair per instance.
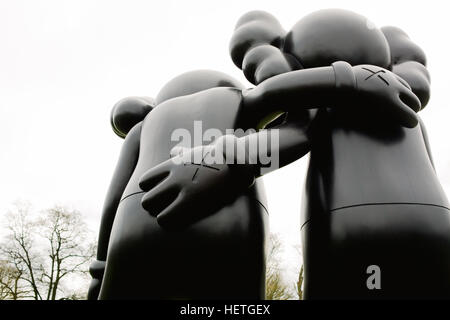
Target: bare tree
{"points": [[10, 286], [276, 289], [299, 283], [47, 250]]}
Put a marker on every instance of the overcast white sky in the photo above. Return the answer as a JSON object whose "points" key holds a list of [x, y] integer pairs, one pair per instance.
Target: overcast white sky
{"points": [[63, 64]]}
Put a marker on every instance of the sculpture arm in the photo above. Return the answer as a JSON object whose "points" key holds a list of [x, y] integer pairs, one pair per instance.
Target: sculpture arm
{"points": [[363, 86], [206, 177], [195, 177], [308, 88], [273, 148], [122, 173]]}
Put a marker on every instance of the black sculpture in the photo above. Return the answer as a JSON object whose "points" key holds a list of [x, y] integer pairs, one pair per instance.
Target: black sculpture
{"points": [[348, 92], [221, 256]]}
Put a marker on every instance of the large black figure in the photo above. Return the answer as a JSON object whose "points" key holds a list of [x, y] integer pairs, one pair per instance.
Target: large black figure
{"points": [[372, 197], [349, 92], [221, 256]]}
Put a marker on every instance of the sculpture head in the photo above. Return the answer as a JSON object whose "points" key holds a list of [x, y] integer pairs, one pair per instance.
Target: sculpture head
{"points": [[326, 36], [261, 48], [131, 110]]}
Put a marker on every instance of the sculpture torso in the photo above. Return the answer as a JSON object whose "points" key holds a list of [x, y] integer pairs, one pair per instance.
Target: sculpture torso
{"points": [[216, 108], [364, 164], [372, 198], [225, 250]]}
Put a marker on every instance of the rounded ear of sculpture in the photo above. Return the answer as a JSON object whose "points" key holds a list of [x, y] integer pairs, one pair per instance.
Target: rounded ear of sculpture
{"points": [[252, 29], [255, 47], [401, 47], [409, 61], [331, 35], [195, 81], [128, 112]]}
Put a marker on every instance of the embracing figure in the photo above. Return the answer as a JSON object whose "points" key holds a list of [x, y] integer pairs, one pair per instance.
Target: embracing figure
{"points": [[335, 86]]}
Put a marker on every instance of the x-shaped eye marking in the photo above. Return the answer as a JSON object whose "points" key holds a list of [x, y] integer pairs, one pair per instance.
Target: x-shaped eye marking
{"points": [[376, 73], [202, 164]]}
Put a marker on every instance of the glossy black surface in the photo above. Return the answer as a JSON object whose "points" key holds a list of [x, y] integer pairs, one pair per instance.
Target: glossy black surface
{"points": [[346, 91], [373, 198], [221, 256]]}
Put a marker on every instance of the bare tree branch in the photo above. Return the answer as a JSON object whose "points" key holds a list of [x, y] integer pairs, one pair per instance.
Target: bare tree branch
{"points": [[276, 289], [43, 252]]}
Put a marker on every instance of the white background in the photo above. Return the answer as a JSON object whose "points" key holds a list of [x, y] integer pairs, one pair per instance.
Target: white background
{"points": [[63, 64]]}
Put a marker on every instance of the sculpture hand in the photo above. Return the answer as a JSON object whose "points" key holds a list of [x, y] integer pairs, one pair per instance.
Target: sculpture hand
{"points": [[96, 269], [190, 185], [384, 91]]}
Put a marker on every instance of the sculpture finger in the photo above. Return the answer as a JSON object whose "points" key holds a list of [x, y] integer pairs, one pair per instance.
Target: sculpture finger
{"points": [[158, 198], [176, 215], [155, 175], [403, 82], [410, 99], [405, 115], [178, 150]]}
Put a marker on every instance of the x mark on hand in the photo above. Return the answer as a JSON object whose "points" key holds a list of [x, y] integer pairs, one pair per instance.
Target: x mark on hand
{"points": [[377, 73], [201, 164]]}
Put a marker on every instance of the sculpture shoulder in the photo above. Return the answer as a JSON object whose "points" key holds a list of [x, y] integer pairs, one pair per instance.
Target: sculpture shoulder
{"points": [[133, 137], [217, 105], [220, 95]]}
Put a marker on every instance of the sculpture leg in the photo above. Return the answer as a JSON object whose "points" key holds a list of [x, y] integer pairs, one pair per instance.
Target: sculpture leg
{"points": [[220, 257], [409, 243]]}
